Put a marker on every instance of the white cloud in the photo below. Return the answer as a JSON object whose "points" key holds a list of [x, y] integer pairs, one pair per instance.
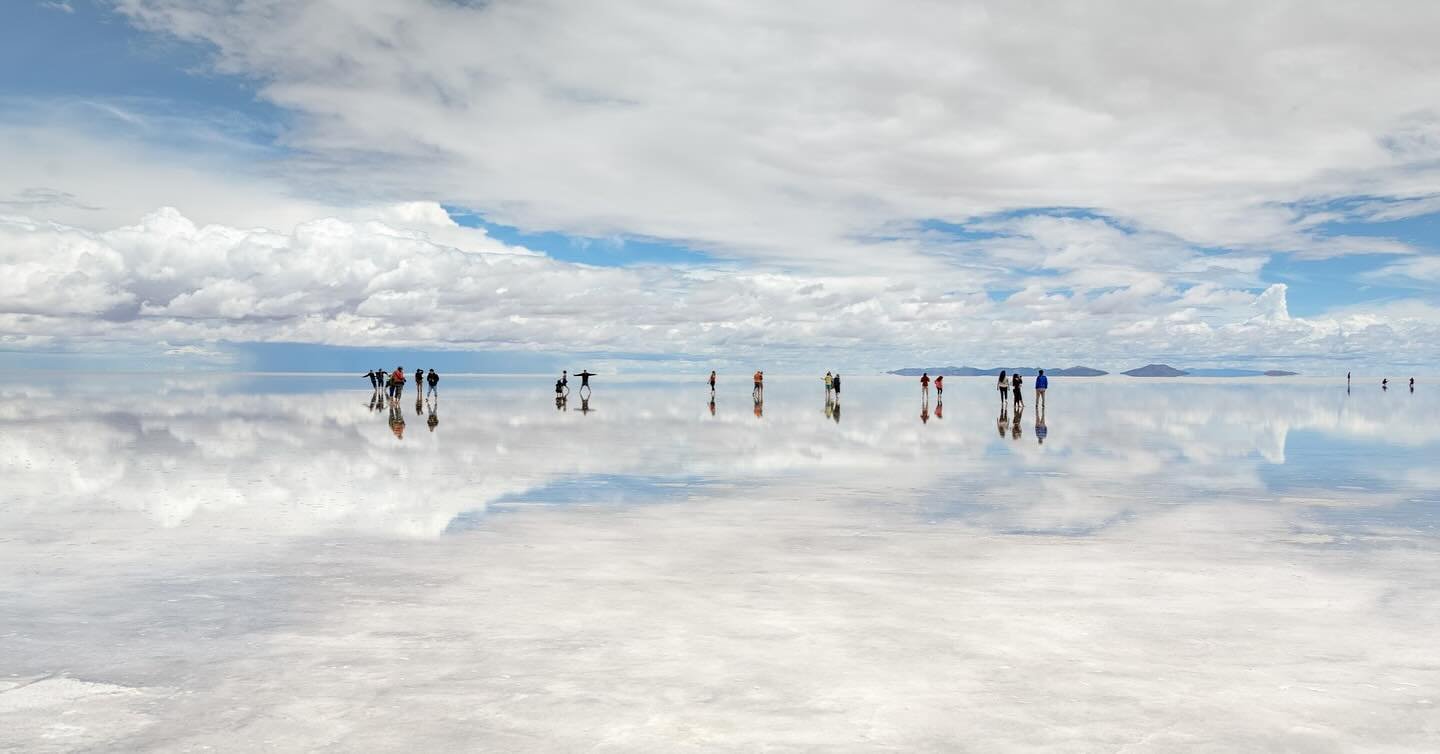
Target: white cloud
{"points": [[783, 132], [366, 282]]}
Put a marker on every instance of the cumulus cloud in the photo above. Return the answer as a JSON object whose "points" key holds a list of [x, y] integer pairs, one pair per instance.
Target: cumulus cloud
{"points": [[787, 131], [431, 283]]}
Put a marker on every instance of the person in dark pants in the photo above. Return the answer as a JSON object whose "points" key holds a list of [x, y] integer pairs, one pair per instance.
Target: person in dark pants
{"points": [[419, 381], [433, 379], [585, 379], [1016, 382], [373, 384], [835, 382], [1004, 387]]}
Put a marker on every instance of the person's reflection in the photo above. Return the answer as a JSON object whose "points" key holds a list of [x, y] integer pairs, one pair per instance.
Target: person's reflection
{"points": [[1015, 430], [375, 401], [925, 412], [837, 409], [1040, 429], [829, 405], [585, 403], [712, 396], [1004, 420], [759, 405], [419, 405], [434, 419], [397, 419], [560, 403], [939, 407]]}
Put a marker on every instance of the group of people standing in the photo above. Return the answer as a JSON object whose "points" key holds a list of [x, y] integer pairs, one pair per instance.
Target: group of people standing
{"points": [[1007, 384], [393, 383]]}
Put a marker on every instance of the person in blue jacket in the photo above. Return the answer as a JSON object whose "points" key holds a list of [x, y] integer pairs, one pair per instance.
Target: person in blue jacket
{"points": [[1041, 384]]}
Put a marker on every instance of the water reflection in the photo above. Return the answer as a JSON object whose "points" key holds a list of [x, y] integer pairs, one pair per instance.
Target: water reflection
{"points": [[184, 563], [191, 448]]}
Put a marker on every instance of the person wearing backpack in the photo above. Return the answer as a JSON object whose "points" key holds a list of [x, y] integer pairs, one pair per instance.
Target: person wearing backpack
{"points": [[397, 383]]}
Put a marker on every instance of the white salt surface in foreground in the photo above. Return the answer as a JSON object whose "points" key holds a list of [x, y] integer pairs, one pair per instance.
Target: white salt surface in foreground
{"points": [[1214, 566]]}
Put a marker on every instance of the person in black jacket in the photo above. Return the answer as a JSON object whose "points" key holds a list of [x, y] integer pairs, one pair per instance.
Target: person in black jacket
{"points": [[432, 379]]}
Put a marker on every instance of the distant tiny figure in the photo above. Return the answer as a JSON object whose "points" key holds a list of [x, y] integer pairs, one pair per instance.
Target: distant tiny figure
{"points": [[1385, 384], [1017, 382], [1004, 387], [925, 385], [1041, 384], [835, 383], [712, 386], [565, 379], [759, 389], [1412, 384], [829, 381], [1347, 379], [939, 386], [434, 380]]}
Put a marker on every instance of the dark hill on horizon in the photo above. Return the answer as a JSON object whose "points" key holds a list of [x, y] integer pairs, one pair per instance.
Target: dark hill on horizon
{"points": [[976, 372], [1155, 370]]}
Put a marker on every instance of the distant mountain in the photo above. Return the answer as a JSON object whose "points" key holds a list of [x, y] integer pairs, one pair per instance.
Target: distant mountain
{"points": [[975, 372], [1155, 370], [1238, 373]]}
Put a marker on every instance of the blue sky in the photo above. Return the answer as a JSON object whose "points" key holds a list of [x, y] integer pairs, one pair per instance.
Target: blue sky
{"points": [[902, 213]]}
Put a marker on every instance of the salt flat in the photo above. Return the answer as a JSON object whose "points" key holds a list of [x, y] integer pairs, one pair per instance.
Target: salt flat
{"points": [[255, 562]]}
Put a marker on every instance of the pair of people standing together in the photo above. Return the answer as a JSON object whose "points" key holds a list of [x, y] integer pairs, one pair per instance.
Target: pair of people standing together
{"points": [[832, 386]]}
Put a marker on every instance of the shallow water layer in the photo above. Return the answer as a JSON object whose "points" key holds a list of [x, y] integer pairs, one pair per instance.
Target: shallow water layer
{"points": [[288, 562]]}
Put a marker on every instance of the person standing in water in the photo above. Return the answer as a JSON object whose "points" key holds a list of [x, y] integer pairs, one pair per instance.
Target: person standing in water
{"points": [[712, 386], [829, 380], [434, 380], [939, 389], [759, 390], [1004, 387], [835, 383], [1385, 384], [925, 387], [419, 381], [1412, 384], [1041, 384], [585, 379], [397, 384], [1016, 383], [371, 375]]}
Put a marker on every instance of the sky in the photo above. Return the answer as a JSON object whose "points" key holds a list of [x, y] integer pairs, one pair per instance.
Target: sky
{"points": [[658, 185]]}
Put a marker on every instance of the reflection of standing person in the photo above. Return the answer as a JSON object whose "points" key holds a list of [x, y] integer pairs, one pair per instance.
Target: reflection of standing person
{"points": [[1004, 386], [939, 405], [1041, 384], [836, 413], [712, 402], [1016, 383], [397, 420], [1015, 430], [434, 419], [1041, 431], [1004, 419]]}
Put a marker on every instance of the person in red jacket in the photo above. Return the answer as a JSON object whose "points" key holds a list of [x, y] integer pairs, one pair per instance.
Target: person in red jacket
{"points": [[397, 384]]}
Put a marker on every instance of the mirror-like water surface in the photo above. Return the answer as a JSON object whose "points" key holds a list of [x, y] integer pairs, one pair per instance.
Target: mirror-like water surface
{"points": [[291, 562]]}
